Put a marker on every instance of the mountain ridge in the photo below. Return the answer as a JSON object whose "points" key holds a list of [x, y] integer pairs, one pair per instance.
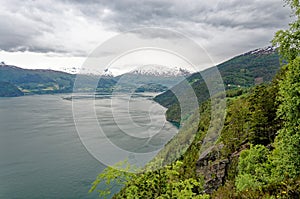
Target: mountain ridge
{"points": [[242, 71], [159, 70]]}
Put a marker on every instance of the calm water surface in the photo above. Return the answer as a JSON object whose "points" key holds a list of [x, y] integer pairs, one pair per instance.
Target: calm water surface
{"points": [[41, 155]]}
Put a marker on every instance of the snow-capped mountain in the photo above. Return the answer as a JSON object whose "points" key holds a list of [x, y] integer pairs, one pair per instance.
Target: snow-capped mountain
{"points": [[262, 51], [161, 71], [71, 70], [86, 71], [107, 73], [148, 70]]}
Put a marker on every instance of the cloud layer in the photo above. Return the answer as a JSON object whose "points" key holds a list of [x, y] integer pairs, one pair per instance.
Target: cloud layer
{"points": [[75, 27]]}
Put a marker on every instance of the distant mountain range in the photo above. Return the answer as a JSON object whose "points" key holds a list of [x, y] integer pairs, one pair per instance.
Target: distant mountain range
{"points": [[252, 67], [17, 81]]}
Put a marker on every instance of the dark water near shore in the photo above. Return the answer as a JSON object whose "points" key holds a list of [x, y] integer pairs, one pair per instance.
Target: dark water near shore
{"points": [[41, 155]]}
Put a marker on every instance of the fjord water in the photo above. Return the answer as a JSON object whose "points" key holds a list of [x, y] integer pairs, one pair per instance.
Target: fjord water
{"points": [[41, 155]]}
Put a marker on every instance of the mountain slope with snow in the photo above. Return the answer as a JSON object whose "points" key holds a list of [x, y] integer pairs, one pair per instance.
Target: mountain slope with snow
{"points": [[261, 51], [245, 70], [162, 71], [154, 74]]}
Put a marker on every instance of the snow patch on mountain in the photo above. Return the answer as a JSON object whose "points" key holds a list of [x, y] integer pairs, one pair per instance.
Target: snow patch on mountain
{"points": [[86, 71], [162, 71], [150, 70], [262, 51], [71, 70]]}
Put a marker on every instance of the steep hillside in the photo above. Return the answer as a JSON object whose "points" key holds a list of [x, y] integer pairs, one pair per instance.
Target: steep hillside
{"points": [[243, 71], [9, 90], [257, 153], [243, 163], [37, 81]]}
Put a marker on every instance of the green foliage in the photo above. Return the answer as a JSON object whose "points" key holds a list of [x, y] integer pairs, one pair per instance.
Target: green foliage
{"points": [[236, 127], [267, 116], [168, 182], [264, 123], [288, 41], [232, 93], [37, 81], [164, 183], [9, 90], [228, 190], [151, 87], [237, 73], [252, 174], [290, 95], [172, 114], [287, 145], [186, 141], [183, 189], [118, 175], [276, 173]]}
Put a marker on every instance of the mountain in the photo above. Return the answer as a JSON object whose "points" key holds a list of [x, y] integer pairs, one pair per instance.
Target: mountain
{"points": [[149, 78], [151, 87], [243, 71], [44, 81], [9, 90], [37, 81], [70, 70], [261, 51], [153, 74], [17, 81], [160, 71]]}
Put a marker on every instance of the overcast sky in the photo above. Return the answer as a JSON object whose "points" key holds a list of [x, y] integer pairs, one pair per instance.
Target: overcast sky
{"points": [[62, 33]]}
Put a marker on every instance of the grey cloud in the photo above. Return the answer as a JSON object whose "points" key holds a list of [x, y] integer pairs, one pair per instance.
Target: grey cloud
{"points": [[39, 19], [259, 14], [15, 33], [237, 13]]}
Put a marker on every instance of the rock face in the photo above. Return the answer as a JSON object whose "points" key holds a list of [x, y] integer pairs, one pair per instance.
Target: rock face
{"points": [[212, 168]]}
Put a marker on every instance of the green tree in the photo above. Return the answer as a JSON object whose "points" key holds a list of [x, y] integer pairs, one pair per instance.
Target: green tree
{"points": [[288, 41], [286, 157], [264, 123], [236, 129], [252, 173], [117, 175], [167, 182], [287, 145], [257, 169]]}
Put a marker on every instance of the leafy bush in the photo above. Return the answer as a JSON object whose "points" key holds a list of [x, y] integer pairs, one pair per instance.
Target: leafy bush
{"points": [[252, 172]]}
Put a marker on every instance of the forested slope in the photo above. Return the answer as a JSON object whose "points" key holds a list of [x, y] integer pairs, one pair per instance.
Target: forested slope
{"points": [[242, 71], [257, 153]]}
